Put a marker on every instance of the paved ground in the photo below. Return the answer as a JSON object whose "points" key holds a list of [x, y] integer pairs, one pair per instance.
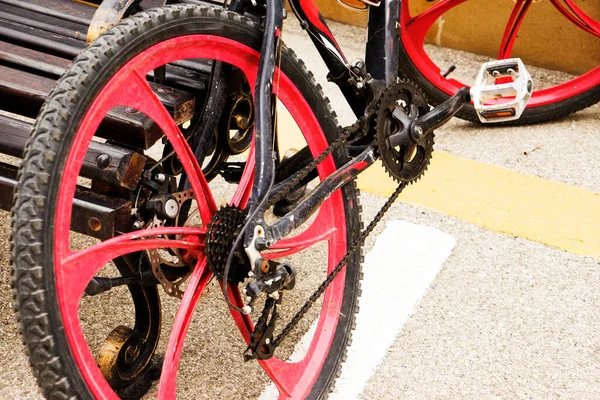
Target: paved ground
{"points": [[505, 317]]}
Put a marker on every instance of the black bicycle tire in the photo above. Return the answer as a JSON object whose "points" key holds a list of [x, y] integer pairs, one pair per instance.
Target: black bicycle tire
{"points": [[32, 267], [531, 115]]}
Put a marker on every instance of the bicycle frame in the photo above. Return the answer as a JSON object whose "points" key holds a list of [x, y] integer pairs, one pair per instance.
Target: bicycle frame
{"points": [[381, 61]]}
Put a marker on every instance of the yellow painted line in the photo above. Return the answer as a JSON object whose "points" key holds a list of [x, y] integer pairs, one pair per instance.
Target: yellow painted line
{"points": [[504, 201], [494, 198]]}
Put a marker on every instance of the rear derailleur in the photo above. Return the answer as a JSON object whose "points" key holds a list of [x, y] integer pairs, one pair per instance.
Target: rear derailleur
{"points": [[268, 277], [274, 278], [277, 278]]}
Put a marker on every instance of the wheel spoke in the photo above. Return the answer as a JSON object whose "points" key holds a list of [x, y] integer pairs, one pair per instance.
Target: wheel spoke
{"points": [[78, 268], [244, 189], [141, 96], [243, 321], [319, 230], [414, 30], [292, 376], [198, 281], [294, 380], [73, 269], [419, 25], [512, 28], [577, 16]]}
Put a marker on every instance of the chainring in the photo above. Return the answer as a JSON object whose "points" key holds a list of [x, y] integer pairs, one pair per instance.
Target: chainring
{"points": [[406, 96]]}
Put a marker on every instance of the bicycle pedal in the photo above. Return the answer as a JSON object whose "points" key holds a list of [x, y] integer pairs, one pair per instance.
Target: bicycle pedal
{"points": [[504, 101]]}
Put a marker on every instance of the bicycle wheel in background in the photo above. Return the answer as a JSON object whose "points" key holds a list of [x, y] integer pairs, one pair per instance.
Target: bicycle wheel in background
{"points": [[85, 342], [515, 22]]}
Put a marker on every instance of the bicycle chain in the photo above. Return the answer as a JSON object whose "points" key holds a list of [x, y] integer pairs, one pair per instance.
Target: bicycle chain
{"points": [[303, 173], [317, 293], [360, 124]]}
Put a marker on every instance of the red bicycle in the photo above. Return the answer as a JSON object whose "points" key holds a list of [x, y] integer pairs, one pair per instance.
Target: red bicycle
{"points": [[556, 100], [116, 228]]}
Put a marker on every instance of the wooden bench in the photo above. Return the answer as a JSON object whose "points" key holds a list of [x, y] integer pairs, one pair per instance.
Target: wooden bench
{"points": [[38, 40]]}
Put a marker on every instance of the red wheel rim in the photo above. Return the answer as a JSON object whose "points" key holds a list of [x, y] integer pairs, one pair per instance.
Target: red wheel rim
{"points": [[414, 30], [74, 269]]}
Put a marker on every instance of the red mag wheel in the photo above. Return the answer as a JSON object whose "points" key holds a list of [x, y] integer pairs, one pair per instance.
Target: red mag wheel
{"points": [[75, 291], [553, 100]]}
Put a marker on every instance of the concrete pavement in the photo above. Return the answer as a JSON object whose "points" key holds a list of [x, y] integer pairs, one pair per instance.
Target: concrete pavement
{"points": [[511, 313]]}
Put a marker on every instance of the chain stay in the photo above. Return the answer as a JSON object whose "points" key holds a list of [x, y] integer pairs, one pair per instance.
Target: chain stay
{"points": [[345, 134], [303, 173]]}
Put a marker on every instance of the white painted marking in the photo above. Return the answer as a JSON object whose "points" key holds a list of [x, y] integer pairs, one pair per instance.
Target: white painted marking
{"points": [[397, 272], [269, 393]]}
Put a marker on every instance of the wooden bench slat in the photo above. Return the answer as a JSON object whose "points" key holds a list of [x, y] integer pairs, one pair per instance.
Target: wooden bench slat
{"points": [[193, 77], [78, 34], [65, 10], [23, 93], [40, 40], [32, 59], [13, 135], [119, 166], [178, 102], [35, 17], [113, 214]]}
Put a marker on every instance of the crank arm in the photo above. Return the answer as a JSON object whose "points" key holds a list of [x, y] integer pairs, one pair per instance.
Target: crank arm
{"points": [[437, 117], [313, 200]]}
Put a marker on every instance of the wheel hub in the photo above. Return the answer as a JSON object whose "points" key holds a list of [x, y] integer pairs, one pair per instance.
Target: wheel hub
{"points": [[220, 237]]}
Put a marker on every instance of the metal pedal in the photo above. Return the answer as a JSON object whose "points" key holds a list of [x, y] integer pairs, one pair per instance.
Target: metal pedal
{"points": [[500, 102]]}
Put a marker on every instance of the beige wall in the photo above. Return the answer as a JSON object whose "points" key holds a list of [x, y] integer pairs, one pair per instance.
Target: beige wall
{"points": [[546, 37]]}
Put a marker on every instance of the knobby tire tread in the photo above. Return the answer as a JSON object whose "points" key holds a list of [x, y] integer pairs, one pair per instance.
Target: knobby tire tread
{"points": [[53, 366]]}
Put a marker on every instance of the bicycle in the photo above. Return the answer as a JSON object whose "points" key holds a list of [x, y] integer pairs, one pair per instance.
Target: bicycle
{"points": [[285, 247], [437, 81]]}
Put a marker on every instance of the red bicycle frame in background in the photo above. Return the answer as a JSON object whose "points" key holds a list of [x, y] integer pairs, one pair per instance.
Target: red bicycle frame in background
{"points": [[414, 29]]}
